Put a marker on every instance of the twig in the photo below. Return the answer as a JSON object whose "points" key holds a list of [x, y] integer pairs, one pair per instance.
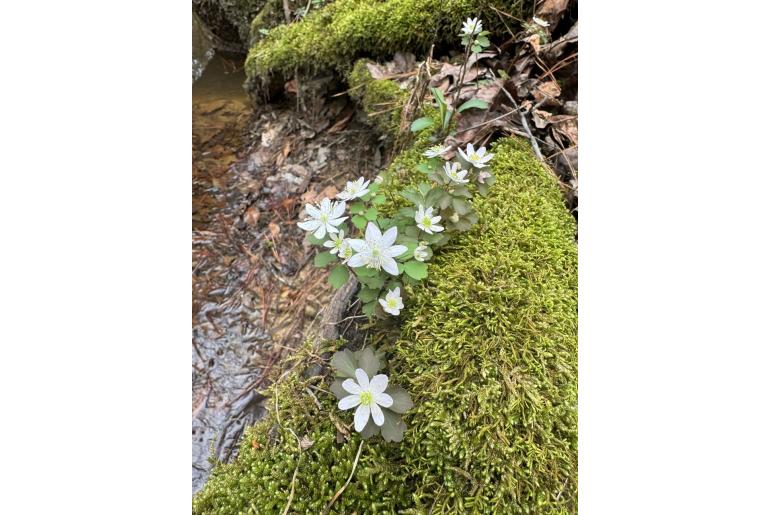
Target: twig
{"points": [[524, 123], [339, 492]]}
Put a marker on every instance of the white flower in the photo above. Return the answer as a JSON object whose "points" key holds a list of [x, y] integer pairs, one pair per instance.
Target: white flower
{"points": [[451, 170], [368, 396], [420, 253], [483, 176], [471, 27], [540, 22], [324, 218], [335, 243], [346, 251], [435, 150], [426, 221], [354, 189], [377, 251], [478, 158], [392, 302], [379, 179]]}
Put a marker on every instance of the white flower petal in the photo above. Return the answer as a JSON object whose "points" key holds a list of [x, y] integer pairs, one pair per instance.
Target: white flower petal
{"points": [[357, 245], [389, 265], [362, 378], [361, 417], [379, 383], [397, 292], [338, 209], [351, 401], [351, 386], [395, 250], [357, 260], [321, 232], [384, 305], [372, 233], [389, 238], [312, 211], [337, 221], [377, 415], [309, 225], [384, 400]]}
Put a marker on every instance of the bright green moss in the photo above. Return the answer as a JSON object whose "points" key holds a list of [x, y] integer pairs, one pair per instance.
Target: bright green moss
{"points": [[333, 36], [488, 350]]}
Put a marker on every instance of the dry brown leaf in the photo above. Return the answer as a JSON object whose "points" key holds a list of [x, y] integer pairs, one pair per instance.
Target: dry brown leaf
{"points": [[547, 90], [534, 40], [551, 10], [274, 229], [251, 216]]}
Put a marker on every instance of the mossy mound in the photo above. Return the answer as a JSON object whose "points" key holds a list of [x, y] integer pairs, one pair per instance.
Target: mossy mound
{"points": [[332, 37], [488, 350]]}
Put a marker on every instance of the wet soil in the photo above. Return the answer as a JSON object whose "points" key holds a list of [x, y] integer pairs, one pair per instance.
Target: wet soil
{"points": [[254, 285]]}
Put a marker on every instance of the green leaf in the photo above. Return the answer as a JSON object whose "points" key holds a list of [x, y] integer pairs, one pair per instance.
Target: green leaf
{"points": [[337, 390], [473, 103], [461, 207], [371, 214], [408, 212], [411, 195], [421, 123], [368, 308], [374, 283], [424, 168], [462, 191], [402, 401], [369, 361], [339, 276], [357, 208], [393, 428], [447, 117], [423, 188], [409, 251], [378, 199], [476, 49], [368, 294], [315, 241], [359, 221], [323, 258], [438, 95], [363, 271], [433, 196], [344, 363], [416, 270]]}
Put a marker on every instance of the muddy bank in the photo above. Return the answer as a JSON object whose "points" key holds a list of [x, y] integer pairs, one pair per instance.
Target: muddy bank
{"points": [[255, 288]]}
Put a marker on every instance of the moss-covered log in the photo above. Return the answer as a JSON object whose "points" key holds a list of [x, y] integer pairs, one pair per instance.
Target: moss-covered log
{"points": [[487, 349], [335, 35]]}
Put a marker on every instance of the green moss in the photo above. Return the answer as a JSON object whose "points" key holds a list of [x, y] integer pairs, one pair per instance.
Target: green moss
{"points": [[488, 350], [333, 36], [382, 100]]}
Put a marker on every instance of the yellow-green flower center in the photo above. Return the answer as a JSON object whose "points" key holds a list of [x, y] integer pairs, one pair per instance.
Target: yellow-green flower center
{"points": [[392, 303], [366, 398]]}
